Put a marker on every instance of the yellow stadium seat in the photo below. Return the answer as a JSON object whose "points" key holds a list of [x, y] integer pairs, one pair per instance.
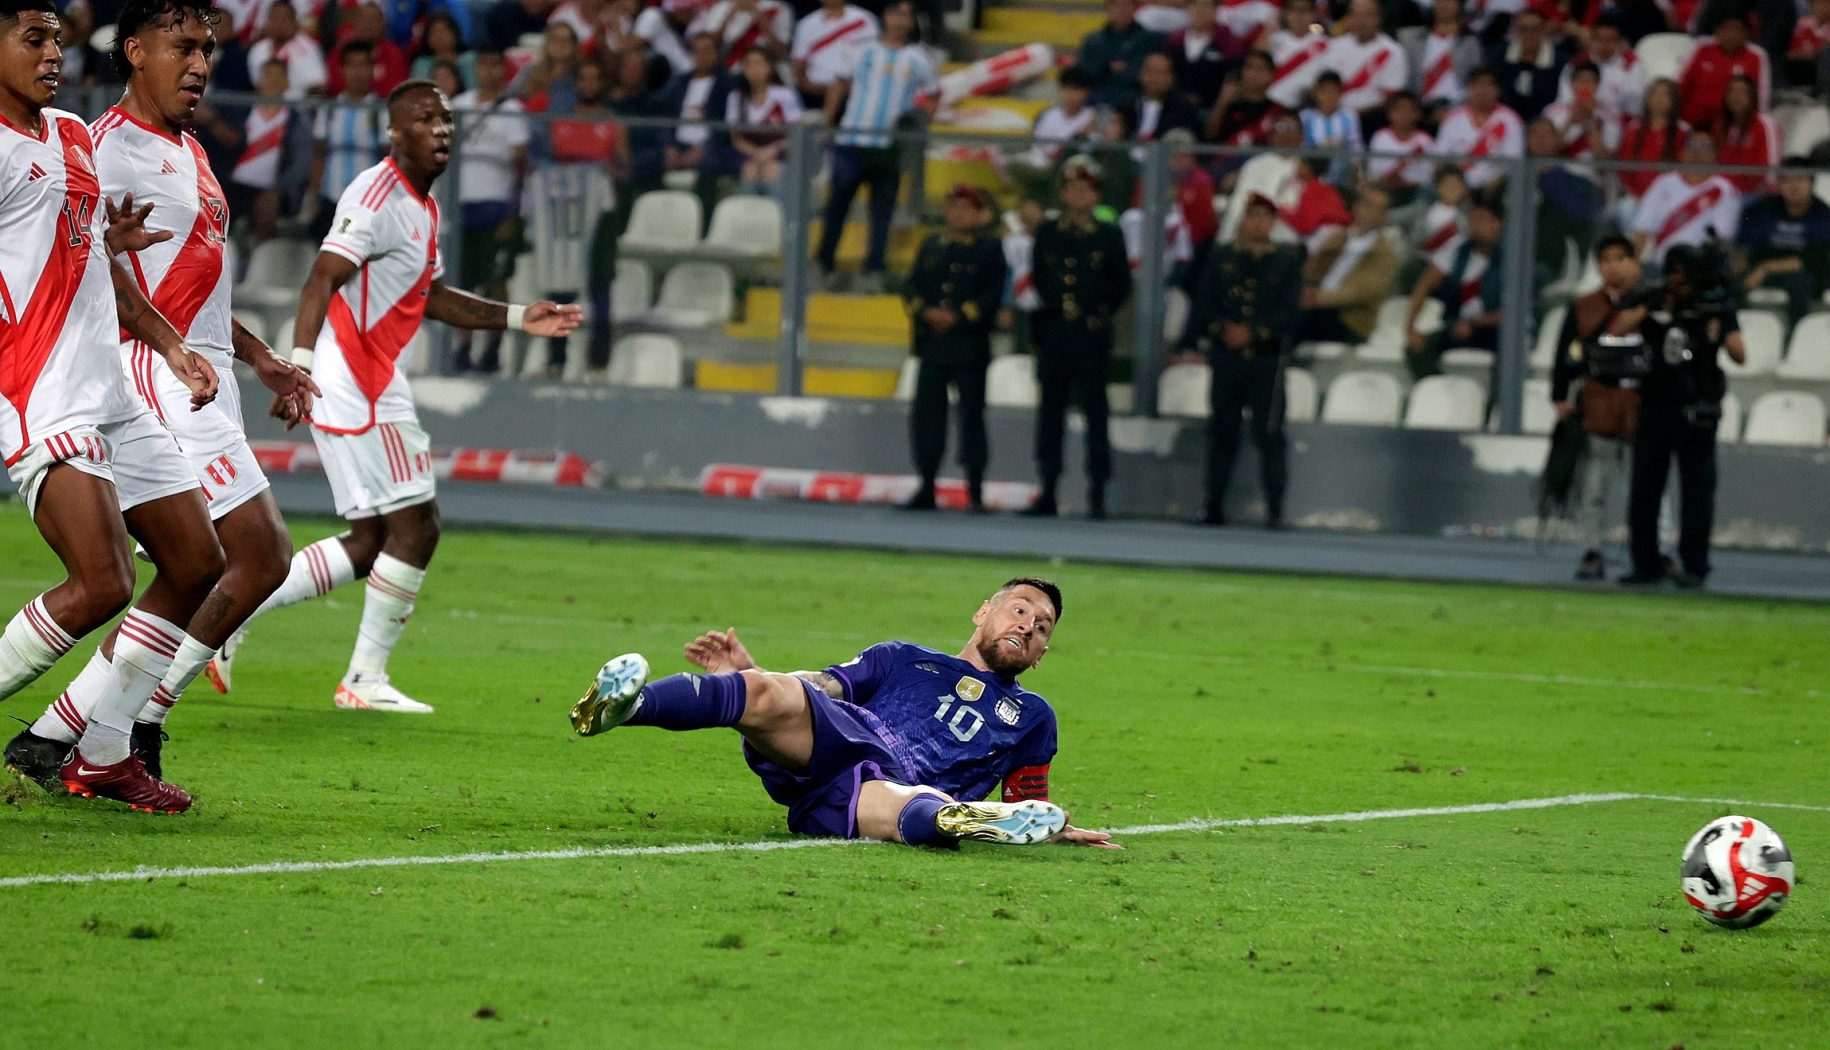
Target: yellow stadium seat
{"points": [[848, 382], [741, 379]]}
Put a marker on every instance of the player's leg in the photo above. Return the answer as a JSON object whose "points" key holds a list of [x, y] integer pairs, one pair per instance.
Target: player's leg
{"points": [[924, 816], [393, 577], [770, 710]]}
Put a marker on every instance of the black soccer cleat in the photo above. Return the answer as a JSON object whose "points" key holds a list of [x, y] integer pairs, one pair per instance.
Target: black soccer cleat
{"points": [[148, 741], [37, 759]]}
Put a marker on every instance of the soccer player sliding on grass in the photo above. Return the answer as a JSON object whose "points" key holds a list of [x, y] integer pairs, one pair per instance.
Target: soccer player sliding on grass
{"points": [[896, 744]]}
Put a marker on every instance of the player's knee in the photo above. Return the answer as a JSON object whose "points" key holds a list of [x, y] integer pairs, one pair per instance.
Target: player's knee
{"points": [[195, 569], [102, 591], [768, 698]]}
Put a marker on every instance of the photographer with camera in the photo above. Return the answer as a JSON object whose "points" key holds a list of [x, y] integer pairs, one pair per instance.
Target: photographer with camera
{"points": [[1682, 326]]}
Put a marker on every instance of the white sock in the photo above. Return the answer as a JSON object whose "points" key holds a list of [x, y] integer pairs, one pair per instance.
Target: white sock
{"points": [[68, 715], [393, 587], [316, 571], [186, 666], [142, 654], [31, 643]]}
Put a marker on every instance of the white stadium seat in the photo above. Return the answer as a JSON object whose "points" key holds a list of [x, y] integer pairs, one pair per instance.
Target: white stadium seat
{"points": [[1664, 54], [694, 295], [1808, 355], [1445, 403], [1182, 390], [1786, 417], [1386, 343], [1010, 382], [647, 359], [276, 272], [1544, 349], [1371, 398], [1175, 315], [1764, 335], [905, 380], [663, 220], [1805, 127], [632, 292], [1540, 415], [1729, 429], [746, 228], [1301, 398]]}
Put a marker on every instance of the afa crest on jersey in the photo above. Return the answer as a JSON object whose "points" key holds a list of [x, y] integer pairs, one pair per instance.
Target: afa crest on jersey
{"points": [[1008, 711]]}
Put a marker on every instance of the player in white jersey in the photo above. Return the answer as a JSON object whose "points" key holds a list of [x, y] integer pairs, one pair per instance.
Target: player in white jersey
{"points": [[377, 277], [92, 462], [142, 154]]}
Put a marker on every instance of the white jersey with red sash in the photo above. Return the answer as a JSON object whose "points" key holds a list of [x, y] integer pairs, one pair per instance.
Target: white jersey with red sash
{"points": [[743, 30], [57, 317], [1466, 295], [1019, 251], [390, 232], [829, 45], [1442, 224], [1297, 61], [1674, 212], [1409, 172], [1582, 139], [1370, 70], [264, 132], [1247, 19], [1499, 134], [1622, 93], [1439, 84]]}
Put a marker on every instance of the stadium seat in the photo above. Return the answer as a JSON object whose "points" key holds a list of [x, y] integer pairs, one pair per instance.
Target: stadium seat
{"points": [[1805, 127], [665, 221], [1301, 398], [1590, 281], [1386, 343], [1322, 351], [746, 228], [694, 295], [905, 380], [1563, 286], [1785, 417], [1471, 361], [1370, 398], [1540, 416], [276, 270], [1664, 54], [1808, 354], [632, 292], [1764, 335], [1175, 315], [648, 359], [1010, 382], [1544, 349], [1445, 403], [1729, 429], [1182, 390]]}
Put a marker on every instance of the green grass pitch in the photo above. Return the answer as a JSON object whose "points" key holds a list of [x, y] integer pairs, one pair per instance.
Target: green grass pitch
{"points": [[1181, 695]]}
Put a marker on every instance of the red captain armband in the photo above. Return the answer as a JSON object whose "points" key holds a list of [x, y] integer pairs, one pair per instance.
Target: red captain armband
{"points": [[1026, 782]]}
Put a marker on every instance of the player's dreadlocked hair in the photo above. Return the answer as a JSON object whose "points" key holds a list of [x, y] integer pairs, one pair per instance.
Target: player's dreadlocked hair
{"points": [[1047, 587], [140, 15], [10, 10]]}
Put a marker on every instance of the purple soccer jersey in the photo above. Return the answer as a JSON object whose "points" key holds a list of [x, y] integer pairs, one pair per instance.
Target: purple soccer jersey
{"points": [[964, 728]]}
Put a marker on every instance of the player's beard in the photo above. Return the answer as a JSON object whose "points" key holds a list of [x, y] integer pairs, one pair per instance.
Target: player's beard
{"points": [[1003, 661]]}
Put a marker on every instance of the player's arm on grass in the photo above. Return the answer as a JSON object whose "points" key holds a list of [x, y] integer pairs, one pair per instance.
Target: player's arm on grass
{"points": [[720, 652], [127, 233], [465, 310]]}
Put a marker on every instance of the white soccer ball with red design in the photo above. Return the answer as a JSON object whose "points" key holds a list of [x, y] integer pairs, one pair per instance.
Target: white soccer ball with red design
{"points": [[1737, 872]]}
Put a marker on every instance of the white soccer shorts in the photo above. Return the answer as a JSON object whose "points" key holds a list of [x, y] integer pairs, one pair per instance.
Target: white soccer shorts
{"points": [[138, 456], [386, 468], [214, 439]]}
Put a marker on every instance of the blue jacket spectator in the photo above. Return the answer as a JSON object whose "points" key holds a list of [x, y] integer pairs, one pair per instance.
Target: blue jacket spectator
{"points": [[1111, 55]]}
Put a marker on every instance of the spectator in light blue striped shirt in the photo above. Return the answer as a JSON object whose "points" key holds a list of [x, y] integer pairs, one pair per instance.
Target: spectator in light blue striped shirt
{"points": [[888, 84], [1329, 125], [352, 136]]}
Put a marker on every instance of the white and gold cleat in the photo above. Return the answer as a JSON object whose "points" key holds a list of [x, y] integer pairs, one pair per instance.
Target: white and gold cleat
{"points": [[360, 692], [1006, 823], [615, 695]]}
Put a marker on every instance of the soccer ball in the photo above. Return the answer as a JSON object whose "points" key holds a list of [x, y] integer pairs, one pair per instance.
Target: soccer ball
{"points": [[1737, 872]]}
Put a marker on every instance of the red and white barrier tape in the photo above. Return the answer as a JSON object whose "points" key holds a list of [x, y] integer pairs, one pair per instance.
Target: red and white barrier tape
{"points": [[503, 466], [735, 481]]}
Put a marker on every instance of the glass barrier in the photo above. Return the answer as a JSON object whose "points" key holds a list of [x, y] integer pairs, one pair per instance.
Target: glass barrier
{"points": [[771, 257]]}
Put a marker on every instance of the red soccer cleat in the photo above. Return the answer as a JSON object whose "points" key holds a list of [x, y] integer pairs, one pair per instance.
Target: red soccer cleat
{"points": [[124, 781]]}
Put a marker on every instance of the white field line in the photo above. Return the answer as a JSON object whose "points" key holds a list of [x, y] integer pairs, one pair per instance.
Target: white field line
{"points": [[149, 874]]}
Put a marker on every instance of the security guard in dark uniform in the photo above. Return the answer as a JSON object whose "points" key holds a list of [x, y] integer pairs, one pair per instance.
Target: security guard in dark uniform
{"points": [[952, 296], [1082, 277], [1680, 408], [1245, 311]]}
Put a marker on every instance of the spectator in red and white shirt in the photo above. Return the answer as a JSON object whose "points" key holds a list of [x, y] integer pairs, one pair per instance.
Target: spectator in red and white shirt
{"points": [[369, 25], [825, 47], [1705, 77], [1371, 64], [1657, 134], [744, 24], [1447, 216], [1805, 65], [1440, 58], [1398, 177], [1299, 51], [281, 39], [1686, 206], [1248, 20], [1318, 210], [1623, 76], [1482, 128], [1585, 131], [763, 100], [1744, 135]]}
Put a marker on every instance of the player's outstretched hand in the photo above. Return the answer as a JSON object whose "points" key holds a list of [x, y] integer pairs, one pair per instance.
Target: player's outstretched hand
{"points": [[127, 230], [1073, 836], [548, 318], [289, 383], [195, 373], [719, 652]]}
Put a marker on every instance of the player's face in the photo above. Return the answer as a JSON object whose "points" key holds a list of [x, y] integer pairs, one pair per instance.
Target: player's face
{"points": [[422, 136], [31, 62], [172, 65], [1013, 630]]}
